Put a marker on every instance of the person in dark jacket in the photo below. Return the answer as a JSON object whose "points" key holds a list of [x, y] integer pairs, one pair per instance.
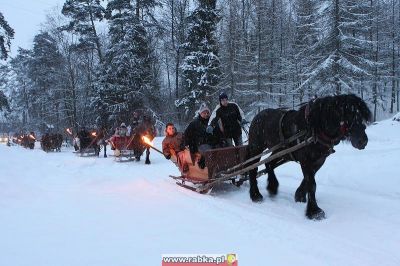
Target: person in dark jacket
{"points": [[195, 134], [172, 144], [135, 119], [84, 138], [228, 117]]}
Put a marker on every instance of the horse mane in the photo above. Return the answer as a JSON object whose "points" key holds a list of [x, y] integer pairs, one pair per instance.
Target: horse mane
{"points": [[333, 109]]}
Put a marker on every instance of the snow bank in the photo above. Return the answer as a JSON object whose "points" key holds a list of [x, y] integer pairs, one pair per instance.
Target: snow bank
{"points": [[60, 209]]}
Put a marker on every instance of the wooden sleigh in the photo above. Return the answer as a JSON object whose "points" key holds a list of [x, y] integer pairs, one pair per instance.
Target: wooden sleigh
{"points": [[89, 151], [229, 164], [123, 148], [201, 180]]}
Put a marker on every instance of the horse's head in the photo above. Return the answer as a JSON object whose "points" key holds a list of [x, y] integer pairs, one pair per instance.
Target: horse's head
{"points": [[356, 115], [342, 117]]}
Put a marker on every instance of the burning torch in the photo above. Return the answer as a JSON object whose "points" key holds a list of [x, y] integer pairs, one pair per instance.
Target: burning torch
{"points": [[148, 142]]}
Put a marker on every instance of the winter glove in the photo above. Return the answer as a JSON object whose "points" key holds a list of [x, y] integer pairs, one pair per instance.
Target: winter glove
{"points": [[209, 130], [202, 162], [167, 156]]}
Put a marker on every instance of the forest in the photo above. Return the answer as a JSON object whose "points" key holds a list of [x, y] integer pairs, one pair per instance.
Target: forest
{"points": [[95, 62]]}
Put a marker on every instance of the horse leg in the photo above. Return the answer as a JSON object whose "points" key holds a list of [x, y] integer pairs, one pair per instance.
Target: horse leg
{"points": [[273, 184], [147, 156], [312, 210], [105, 150], [300, 195], [137, 154], [255, 194]]}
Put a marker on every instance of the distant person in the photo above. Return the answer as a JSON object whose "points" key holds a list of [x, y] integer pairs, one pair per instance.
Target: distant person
{"points": [[123, 130], [134, 123]]}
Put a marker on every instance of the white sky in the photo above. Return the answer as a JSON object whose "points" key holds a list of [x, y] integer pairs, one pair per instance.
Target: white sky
{"points": [[25, 17]]}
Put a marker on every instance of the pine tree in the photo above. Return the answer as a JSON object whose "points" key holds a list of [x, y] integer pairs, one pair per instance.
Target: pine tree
{"points": [[201, 64], [3, 102], [174, 22], [45, 70], [4, 83], [126, 76], [22, 94], [4, 73], [343, 51], [84, 14], [6, 34], [306, 39]]}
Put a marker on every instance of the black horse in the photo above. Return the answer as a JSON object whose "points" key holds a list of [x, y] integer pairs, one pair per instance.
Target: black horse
{"points": [[51, 142], [144, 129], [328, 120]]}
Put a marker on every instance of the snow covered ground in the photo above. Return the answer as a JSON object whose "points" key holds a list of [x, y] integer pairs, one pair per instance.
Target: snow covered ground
{"points": [[59, 209]]}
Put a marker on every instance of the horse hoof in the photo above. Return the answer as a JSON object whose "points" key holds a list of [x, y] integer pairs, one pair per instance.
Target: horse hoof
{"points": [[147, 162], [272, 186], [272, 190], [256, 197], [316, 215]]}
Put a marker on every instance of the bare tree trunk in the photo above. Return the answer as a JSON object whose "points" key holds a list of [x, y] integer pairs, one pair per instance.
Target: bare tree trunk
{"points": [[96, 38], [259, 16], [393, 94], [375, 56], [272, 63], [231, 42], [168, 75], [337, 44]]}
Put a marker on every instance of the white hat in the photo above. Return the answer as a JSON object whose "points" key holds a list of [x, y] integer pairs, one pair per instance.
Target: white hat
{"points": [[122, 125], [203, 107]]}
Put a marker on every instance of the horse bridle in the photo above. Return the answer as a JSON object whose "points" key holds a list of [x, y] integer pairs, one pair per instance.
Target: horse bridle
{"points": [[321, 137]]}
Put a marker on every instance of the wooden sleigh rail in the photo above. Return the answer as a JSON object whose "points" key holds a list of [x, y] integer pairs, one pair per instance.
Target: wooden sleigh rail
{"points": [[267, 151], [221, 177]]}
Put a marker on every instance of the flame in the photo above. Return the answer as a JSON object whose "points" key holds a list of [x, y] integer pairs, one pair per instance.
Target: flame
{"points": [[147, 140], [69, 131], [93, 134], [32, 136]]}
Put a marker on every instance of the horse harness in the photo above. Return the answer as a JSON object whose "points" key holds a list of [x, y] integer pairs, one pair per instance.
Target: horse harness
{"points": [[318, 137]]}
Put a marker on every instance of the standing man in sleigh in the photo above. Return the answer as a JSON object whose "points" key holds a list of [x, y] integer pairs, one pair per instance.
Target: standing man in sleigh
{"points": [[229, 118]]}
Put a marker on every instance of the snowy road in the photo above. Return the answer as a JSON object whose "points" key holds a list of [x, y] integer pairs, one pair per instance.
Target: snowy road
{"points": [[59, 209]]}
